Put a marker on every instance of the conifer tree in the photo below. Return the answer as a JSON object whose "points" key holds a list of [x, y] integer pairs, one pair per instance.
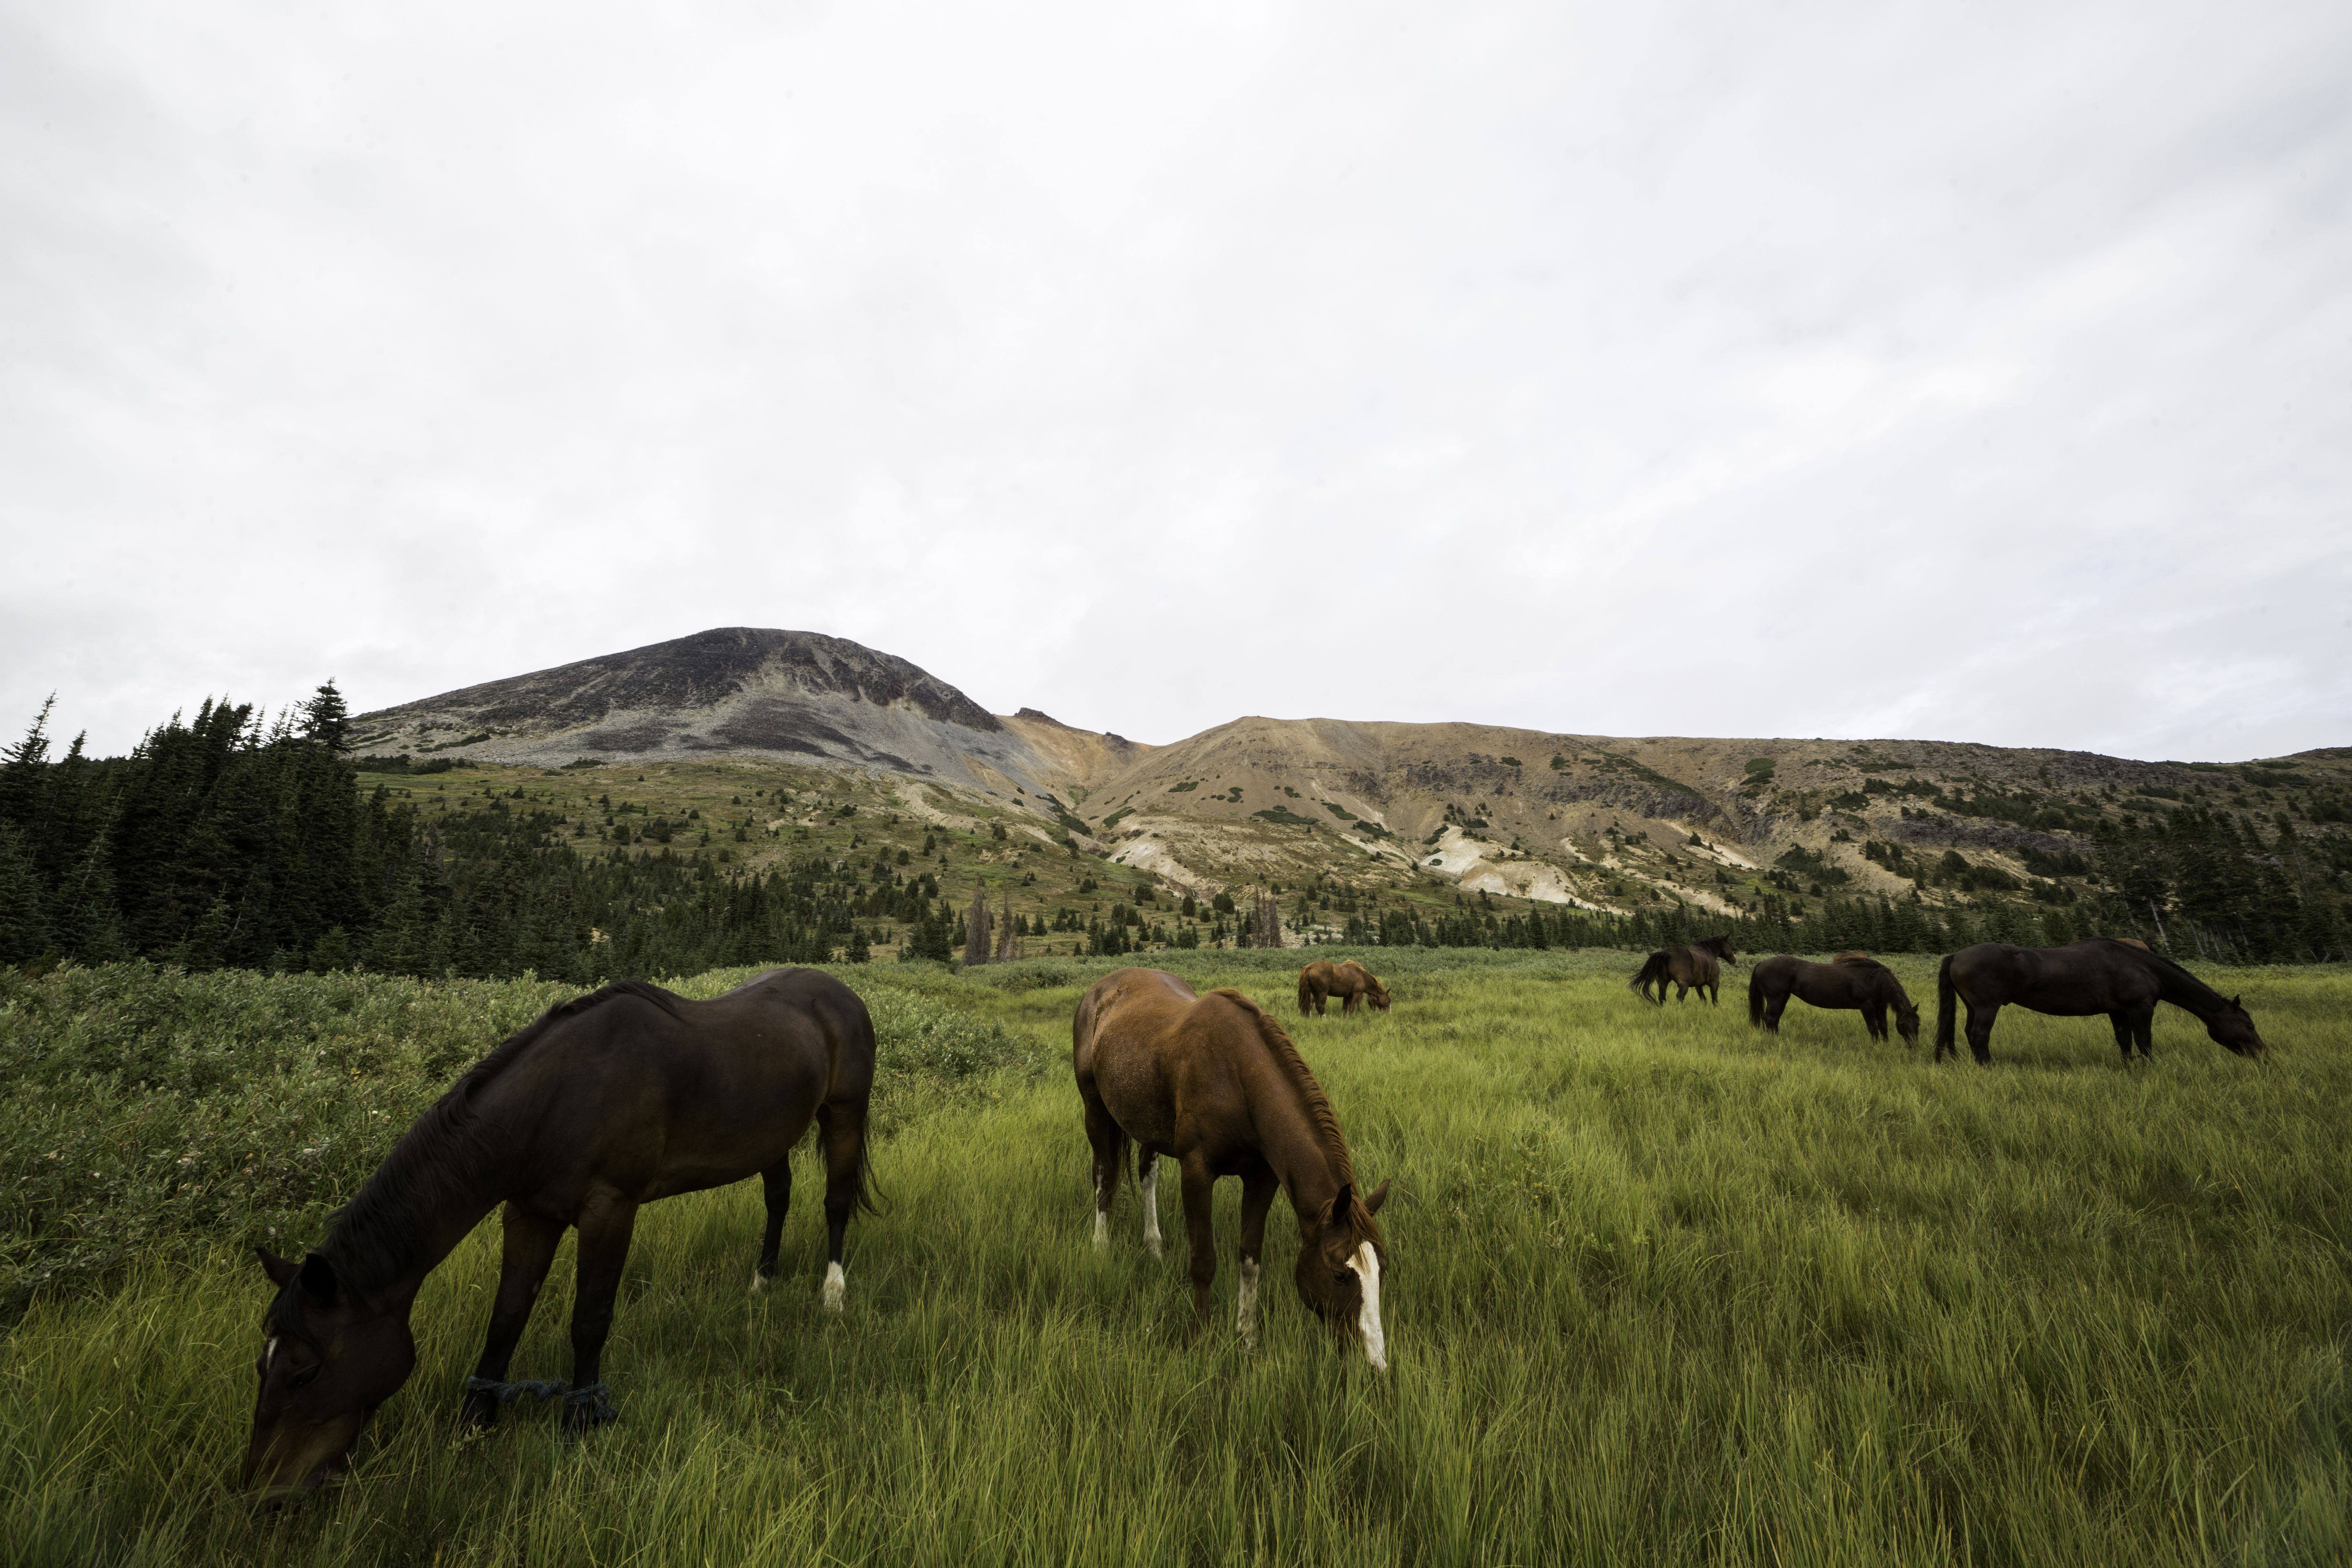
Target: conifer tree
{"points": [[24, 920]]}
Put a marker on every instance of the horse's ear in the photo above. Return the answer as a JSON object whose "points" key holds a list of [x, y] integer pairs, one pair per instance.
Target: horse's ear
{"points": [[1379, 1196], [279, 1269], [319, 1283], [1342, 1202], [2234, 1000]]}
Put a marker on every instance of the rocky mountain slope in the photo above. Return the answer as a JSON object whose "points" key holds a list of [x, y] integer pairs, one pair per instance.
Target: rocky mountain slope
{"points": [[1592, 821]]}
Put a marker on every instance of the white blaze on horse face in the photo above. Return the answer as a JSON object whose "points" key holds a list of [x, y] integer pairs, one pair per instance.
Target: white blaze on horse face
{"points": [[1151, 1203], [268, 1352], [1246, 1312], [836, 1287], [1366, 1265]]}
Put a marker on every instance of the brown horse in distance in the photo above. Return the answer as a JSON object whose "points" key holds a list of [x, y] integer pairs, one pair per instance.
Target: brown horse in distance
{"points": [[1698, 967], [1851, 981], [2117, 976], [605, 1103], [1214, 1081], [1351, 982]]}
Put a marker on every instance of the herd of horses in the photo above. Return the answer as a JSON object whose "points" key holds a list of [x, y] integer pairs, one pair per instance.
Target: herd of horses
{"points": [[630, 1094], [2117, 976]]}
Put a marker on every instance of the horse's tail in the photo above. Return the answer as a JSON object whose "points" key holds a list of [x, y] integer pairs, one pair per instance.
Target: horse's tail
{"points": [[1654, 969], [1306, 994], [1947, 1000], [1756, 998]]}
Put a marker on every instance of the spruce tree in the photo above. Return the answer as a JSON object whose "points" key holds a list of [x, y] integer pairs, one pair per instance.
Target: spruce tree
{"points": [[23, 918]]}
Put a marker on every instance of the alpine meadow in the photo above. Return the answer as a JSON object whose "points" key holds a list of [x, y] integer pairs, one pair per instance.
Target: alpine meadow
{"points": [[1663, 1285]]}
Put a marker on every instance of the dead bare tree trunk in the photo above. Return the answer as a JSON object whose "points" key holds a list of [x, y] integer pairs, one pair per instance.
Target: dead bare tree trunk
{"points": [[977, 921], [1008, 933], [1265, 921]]}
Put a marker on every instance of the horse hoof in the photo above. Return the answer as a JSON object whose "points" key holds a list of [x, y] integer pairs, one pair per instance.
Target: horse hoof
{"points": [[478, 1411], [579, 1418], [836, 1287], [758, 1282]]}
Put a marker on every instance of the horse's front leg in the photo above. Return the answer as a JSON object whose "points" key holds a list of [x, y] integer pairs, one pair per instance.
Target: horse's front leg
{"points": [[2122, 1021], [1257, 1197], [529, 1247], [1873, 1018], [606, 1222], [1200, 1184], [2143, 1028]]}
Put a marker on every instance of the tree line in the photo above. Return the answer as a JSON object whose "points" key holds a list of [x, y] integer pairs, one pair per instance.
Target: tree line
{"points": [[231, 839]]}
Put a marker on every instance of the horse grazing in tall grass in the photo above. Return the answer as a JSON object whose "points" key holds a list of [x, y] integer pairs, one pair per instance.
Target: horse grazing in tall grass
{"points": [[608, 1101], [1851, 981], [1351, 982], [1214, 1081], [2119, 977], [1693, 968]]}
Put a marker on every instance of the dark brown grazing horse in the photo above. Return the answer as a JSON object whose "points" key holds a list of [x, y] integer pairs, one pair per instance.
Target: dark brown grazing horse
{"points": [[1214, 1081], [1853, 980], [608, 1101], [1688, 969], [1351, 982], [2119, 977]]}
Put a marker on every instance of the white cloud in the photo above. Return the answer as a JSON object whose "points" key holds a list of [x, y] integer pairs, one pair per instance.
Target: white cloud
{"points": [[1975, 373]]}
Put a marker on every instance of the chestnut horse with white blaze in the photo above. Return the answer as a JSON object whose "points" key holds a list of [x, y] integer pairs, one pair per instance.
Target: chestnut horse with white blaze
{"points": [[1351, 982], [1214, 1082], [607, 1102]]}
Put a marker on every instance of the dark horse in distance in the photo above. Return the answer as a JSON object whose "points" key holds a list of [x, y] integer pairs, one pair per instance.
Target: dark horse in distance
{"points": [[1214, 1081], [2097, 974], [1851, 981], [606, 1102], [1693, 968], [1351, 982]]}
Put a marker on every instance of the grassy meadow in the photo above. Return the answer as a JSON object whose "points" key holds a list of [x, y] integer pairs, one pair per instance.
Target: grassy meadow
{"points": [[1662, 1289]]}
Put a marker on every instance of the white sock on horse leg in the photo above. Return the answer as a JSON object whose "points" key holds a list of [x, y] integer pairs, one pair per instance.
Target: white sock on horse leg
{"points": [[1151, 1203]]}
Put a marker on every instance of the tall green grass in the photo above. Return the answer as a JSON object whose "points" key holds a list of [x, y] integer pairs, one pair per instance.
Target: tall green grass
{"points": [[1662, 1289]]}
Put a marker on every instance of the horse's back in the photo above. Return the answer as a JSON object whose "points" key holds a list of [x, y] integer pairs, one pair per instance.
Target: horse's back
{"points": [[1153, 1053], [652, 1093]]}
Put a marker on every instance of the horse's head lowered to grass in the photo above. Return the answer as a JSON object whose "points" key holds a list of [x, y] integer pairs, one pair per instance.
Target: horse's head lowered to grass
{"points": [[329, 1358], [1339, 1275]]}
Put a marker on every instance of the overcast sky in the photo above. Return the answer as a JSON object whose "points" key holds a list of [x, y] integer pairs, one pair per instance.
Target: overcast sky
{"points": [[1978, 372]]}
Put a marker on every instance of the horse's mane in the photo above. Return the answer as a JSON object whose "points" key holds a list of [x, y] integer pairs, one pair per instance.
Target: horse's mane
{"points": [[372, 1239], [1302, 1077], [1857, 960]]}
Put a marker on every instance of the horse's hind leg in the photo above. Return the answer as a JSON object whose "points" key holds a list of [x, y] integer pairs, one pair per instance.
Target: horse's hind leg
{"points": [[1110, 1142], [529, 1247], [1981, 1033], [843, 1132], [606, 1222], [776, 1182], [1773, 1007], [1147, 1165]]}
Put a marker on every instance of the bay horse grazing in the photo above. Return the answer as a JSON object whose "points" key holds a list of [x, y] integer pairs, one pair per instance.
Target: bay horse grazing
{"points": [[1351, 982], [1851, 981], [1693, 968], [606, 1102], [1214, 1081], [2117, 976]]}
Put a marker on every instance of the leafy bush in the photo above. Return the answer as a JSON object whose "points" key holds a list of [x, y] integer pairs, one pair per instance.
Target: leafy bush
{"points": [[152, 1109]]}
